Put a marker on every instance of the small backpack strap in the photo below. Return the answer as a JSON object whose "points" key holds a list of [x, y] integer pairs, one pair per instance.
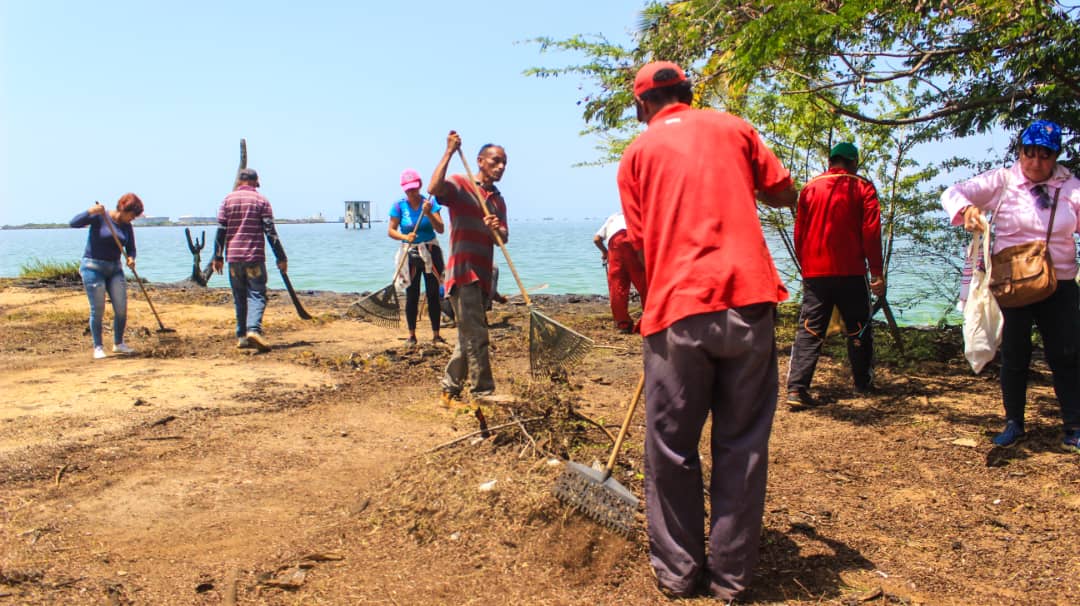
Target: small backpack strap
{"points": [[1053, 211]]}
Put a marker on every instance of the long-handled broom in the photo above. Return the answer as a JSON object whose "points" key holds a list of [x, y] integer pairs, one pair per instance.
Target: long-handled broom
{"points": [[552, 346], [596, 493], [382, 307]]}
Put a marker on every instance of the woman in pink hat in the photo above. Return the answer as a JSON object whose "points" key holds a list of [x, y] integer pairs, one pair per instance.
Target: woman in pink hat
{"points": [[414, 220]]}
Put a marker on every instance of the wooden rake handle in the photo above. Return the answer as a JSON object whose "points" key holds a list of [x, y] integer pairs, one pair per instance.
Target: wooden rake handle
{"points": [[494, 233], [401, 264], [116, 238], [625, 426], [405, 256]]}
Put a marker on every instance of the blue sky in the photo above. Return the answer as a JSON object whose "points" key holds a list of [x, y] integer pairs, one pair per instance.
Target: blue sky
{"points": [[335, 99]]}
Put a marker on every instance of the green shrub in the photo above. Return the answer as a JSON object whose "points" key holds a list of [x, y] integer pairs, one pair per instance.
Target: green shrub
{"points": [[50, 271]]}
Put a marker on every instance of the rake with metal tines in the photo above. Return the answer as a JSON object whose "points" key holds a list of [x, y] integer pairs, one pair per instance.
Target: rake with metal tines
{"points": [[552, 346], [595, 493], [382, 307]]}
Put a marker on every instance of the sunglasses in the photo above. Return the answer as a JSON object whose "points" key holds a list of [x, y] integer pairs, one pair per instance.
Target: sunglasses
{"points": [[1042, 197], [1043, 153]]}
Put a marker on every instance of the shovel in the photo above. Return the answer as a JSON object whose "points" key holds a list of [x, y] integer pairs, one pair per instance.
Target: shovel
{"points": [[116, 238], [596, 493]]}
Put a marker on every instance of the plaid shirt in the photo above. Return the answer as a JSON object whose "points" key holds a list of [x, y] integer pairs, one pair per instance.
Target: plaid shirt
{"points": [[241, 215]]}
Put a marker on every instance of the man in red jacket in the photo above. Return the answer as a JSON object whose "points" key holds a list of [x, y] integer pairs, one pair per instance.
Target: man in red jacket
{"points": [[689, 187], [837, 240]]}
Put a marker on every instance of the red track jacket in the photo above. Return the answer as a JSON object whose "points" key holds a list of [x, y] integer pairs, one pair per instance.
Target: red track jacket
{"points": [[838, 226]]}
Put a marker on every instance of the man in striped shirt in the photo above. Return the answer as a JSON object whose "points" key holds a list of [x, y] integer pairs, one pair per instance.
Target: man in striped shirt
{"points": [[244, 218], [469, 269]]}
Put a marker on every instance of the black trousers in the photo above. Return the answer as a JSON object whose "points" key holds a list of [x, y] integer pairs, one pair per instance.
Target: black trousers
{"points": [[1058, 321], [852, 295], [431, 288]]}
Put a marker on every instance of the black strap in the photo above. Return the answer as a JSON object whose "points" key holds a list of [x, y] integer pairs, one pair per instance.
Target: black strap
{"points": [[1053, 211], [1049, 227]]}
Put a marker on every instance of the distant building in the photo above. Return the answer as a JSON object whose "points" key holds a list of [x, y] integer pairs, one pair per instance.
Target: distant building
{"points": [[147, 220], [194, 220], [357, 213]]}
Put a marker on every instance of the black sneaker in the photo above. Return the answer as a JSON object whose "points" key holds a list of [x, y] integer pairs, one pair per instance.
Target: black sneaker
{"points": [[799, 399], [865, 390], [1071, 443]]}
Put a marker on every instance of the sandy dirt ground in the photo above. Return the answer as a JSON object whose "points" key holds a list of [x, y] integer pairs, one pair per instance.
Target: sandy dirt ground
{"points": [[327, 471]]}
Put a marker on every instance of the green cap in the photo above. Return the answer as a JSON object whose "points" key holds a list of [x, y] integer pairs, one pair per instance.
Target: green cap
{"points": [[845, 150]]}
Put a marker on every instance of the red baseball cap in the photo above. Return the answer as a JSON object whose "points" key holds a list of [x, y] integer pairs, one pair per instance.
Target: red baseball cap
{"points": [[653, 75]]}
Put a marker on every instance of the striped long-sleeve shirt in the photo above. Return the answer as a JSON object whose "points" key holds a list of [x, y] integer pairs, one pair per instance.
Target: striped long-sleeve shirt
{"points": [[245, 215], [471, 245]]}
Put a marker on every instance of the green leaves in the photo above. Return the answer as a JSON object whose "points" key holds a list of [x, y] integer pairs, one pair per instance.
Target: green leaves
{"points": [[890, 75]]}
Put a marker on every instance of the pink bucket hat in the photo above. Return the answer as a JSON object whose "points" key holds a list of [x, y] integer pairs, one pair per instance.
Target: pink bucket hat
{"points": [[410, 179]]}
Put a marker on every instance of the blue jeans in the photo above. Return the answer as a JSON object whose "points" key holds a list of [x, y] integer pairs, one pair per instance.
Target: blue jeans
{"points": [[248, 282], [99, 276]]}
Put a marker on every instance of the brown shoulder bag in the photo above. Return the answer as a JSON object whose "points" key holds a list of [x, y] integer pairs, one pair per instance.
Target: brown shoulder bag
{"points": [[1024, 274]]}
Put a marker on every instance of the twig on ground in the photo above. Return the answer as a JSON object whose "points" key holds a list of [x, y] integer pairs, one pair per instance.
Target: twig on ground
{"points": [[60, 473], [536, 448], [802, 586], [596, 423], [163, 438], [229, 599], [66, 582], [476, 433], [162, 421]]}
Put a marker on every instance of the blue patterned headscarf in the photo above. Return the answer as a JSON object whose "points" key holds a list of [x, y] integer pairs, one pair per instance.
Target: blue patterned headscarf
{"points": [[1043, 133]]}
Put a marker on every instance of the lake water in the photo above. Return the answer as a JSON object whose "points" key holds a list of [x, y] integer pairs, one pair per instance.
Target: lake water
{"points": [[326, 256]]}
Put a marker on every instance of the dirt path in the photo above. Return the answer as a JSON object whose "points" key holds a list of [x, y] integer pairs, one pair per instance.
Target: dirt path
{"points": [[193, 473], [191, 454]]}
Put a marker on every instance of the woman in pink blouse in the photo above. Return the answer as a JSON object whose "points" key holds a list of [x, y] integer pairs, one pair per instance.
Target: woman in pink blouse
{"points": [[1023, 196]]}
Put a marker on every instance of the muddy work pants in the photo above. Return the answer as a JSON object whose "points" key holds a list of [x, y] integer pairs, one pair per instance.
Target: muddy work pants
{"points": [[470, 359]]}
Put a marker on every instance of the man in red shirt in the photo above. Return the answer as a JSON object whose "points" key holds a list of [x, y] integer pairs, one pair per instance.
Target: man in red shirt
{"points": [[837, 240], [623, 267], [688, 186], [469, 269]]}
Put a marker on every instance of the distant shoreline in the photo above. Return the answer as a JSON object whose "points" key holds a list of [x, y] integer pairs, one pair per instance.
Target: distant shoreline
{"points": [[164, 224]]}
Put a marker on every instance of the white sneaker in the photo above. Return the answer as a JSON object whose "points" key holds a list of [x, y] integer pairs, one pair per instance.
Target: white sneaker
{"points": [[258, 341], [122, 348], [99, 353]]}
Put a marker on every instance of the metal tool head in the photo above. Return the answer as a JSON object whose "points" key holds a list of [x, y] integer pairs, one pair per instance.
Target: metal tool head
{"points": [[597, 495], [552, 346], [379, 307]]}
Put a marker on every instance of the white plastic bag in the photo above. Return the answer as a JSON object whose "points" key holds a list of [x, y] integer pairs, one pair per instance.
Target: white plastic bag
{"points": [[982, 316]]}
